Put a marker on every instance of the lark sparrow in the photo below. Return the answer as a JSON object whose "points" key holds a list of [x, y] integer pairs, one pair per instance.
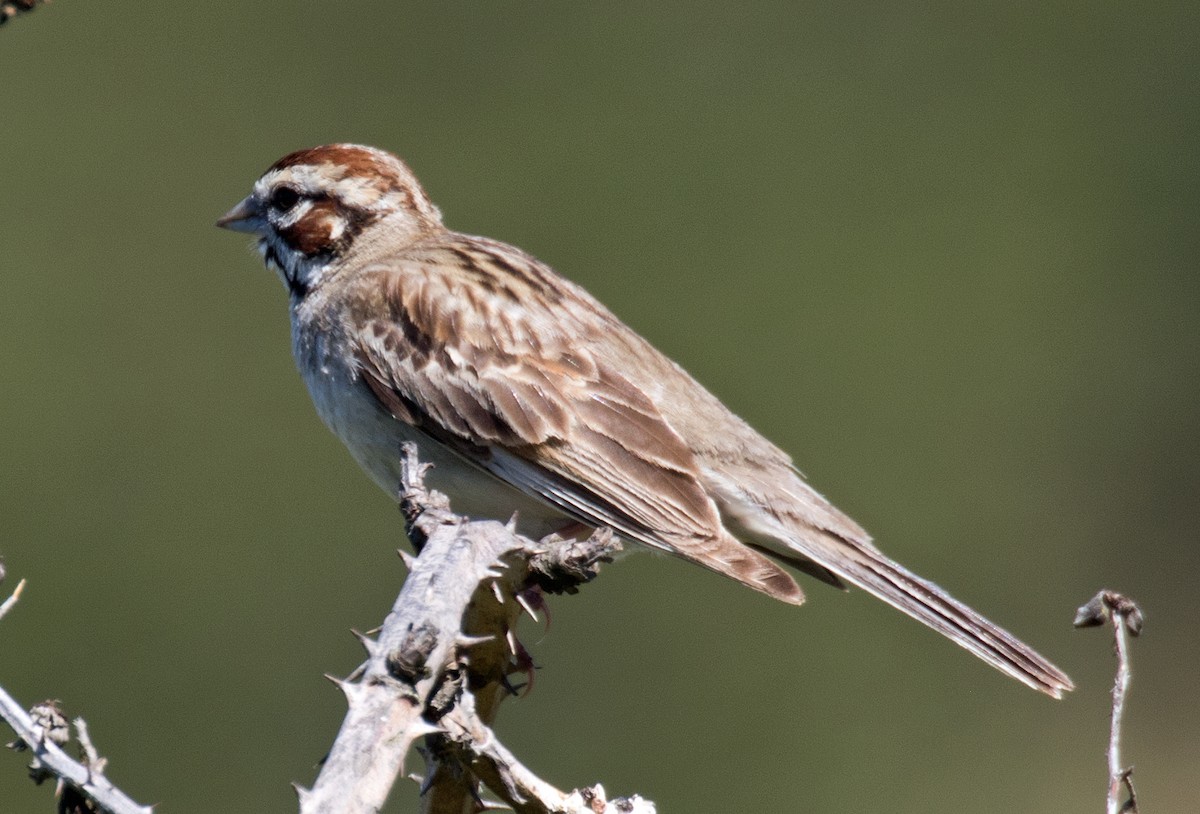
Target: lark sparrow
{"points": [[528, 395]]}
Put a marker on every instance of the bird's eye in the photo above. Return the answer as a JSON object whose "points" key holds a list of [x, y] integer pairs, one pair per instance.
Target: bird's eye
{"points": [[284, 198]]}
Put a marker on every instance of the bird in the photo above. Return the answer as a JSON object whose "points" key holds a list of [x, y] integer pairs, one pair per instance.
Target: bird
{"points": [[527, 395]]}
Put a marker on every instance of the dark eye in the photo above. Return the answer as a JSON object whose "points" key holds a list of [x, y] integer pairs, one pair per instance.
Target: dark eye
{"points": [[284, 198]]}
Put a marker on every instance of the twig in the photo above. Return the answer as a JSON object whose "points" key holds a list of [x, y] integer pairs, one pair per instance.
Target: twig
{"points": [[7, 604], [1127, 620], [92, 758], [518, 787], [44, 733]]}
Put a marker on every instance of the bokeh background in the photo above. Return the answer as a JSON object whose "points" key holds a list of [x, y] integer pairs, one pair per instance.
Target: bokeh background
{"points": [[945, 255]]}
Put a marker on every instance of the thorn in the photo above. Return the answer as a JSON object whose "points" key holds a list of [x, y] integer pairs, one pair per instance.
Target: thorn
{"points": [[426, 784], [534, 596], [465, 641], [513, 647], [349, 689], [524, 603], [408, 559], [302, 794], [496, 592], [369, 644], [511, 525]]}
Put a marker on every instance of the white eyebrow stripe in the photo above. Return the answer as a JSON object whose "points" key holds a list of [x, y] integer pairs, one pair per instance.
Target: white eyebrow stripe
{"points": [[355, 192]]}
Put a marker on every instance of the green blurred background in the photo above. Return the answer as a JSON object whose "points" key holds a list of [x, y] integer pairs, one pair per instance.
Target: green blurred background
{"points": [[946, 256]]}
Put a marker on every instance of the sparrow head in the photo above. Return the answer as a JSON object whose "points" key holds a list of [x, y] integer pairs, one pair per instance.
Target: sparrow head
{"points": [[313, 205]]}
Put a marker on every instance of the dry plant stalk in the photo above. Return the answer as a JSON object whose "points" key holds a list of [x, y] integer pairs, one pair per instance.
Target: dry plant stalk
{"points": [[1127, 620]]}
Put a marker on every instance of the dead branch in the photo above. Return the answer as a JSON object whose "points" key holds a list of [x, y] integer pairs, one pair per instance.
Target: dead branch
{"points": [[79, 785], [1127, 620], [442, 663], [437, 672]]}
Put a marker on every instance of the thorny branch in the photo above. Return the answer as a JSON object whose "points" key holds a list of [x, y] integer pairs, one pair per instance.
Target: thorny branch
{"points": [[80, 786], [441, 664], [1127, 620], [437, 671]]}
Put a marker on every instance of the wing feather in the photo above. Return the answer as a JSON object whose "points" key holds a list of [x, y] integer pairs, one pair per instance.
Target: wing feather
{"points": [[529, 394]]}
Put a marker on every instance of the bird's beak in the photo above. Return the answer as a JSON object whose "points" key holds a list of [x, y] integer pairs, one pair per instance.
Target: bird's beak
{"points": [[245, 217]]}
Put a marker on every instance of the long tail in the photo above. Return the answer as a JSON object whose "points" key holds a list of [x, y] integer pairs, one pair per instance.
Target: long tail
{"points": [[869, 569]]}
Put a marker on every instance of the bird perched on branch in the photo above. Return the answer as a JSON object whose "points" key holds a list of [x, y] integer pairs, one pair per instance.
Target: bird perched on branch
{"points": [[527, 394]]}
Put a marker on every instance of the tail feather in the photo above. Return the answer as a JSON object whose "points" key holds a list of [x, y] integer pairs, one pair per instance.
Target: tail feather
{"points": [[786, 519], [866, 567]]}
